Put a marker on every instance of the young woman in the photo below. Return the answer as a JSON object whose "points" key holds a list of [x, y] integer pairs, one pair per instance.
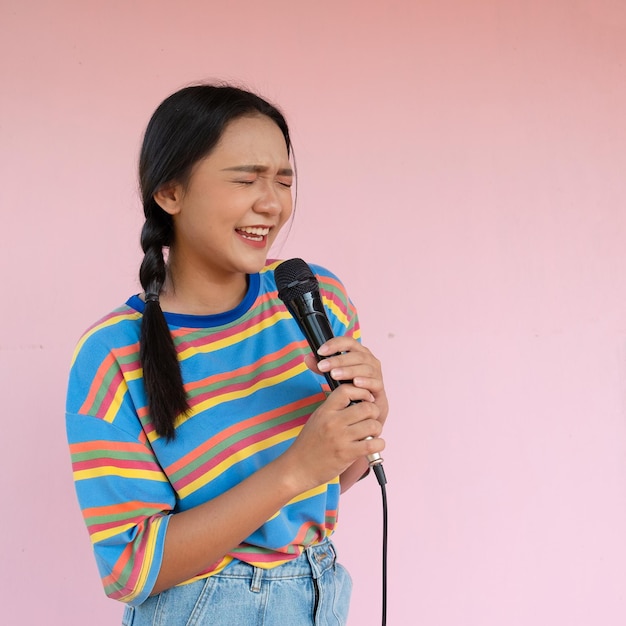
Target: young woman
{"points": [[208, 453]]}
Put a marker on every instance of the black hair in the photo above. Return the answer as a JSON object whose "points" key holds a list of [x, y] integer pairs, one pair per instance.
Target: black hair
{"points": [[183, 130]]}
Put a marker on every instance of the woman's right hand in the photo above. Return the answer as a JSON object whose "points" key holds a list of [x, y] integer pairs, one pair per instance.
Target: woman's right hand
{"points": [[334, 437]]}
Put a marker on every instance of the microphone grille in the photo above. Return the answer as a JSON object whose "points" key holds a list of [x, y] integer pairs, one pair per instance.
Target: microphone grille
{"points": [[294, 278]]}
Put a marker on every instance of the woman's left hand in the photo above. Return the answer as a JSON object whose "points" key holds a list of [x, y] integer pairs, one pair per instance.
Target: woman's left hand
{"points": [[346, 359]]}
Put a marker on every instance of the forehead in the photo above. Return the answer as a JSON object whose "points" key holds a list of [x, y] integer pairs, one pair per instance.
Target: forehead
{"points": [[252, 137]]}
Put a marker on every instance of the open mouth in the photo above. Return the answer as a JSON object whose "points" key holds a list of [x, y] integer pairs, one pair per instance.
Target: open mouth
{"points": [[254, 233]]}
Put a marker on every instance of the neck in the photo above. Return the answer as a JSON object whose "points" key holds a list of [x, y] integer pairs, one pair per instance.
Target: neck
{"points": [[193, 292]]}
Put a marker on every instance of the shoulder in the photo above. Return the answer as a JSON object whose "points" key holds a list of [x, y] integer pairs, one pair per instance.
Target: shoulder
{"points": [[105, 350], [119, 322], [117, 329]]}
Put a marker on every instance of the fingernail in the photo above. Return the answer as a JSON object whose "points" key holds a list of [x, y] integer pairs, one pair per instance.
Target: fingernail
{"points": [[322, 350], [324, 366]]}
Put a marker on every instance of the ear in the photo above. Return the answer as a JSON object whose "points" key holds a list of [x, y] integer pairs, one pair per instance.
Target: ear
{"points": [[169, 197]]}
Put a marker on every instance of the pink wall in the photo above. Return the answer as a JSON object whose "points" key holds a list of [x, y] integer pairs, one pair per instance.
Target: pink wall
{"points": [[462, 169]]}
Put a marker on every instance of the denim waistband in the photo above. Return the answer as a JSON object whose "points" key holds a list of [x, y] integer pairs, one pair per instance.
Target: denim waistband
{"points": [[313, 562]]}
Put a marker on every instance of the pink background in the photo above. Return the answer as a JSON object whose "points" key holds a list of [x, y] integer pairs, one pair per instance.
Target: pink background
{"points": [[462, 168]]}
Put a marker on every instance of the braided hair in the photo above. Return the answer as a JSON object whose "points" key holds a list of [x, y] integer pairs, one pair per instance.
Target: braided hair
{"points": [[183, 130]]}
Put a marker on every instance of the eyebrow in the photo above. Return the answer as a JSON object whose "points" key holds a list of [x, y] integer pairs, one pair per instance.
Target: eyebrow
{"points": [[257, 169]]}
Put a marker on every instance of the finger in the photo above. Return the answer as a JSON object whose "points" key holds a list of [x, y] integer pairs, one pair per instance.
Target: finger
{"points": [[341, 397], [363, 413], [365, 377], [352, 357], [341, 369], [372, 446], [365, 428], [345, 359], [367, 446], [342, 343], [374, 385]]}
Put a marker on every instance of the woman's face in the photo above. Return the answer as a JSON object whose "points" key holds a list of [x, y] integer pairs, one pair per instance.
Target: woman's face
{"points": [[235, 203]]}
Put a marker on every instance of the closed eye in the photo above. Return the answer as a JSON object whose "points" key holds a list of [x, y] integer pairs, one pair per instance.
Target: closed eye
{"points": [[284, 175]]}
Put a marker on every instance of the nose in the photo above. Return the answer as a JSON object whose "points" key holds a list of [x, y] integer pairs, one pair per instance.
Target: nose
{"points": [[272, 200]]}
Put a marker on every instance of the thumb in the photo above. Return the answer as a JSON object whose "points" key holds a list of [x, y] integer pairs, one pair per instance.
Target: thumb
{"points": [[311, 362]]}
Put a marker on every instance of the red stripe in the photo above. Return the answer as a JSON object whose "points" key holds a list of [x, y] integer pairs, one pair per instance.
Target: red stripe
{"points": [[213, 441], [232, 450], [112, 462]]}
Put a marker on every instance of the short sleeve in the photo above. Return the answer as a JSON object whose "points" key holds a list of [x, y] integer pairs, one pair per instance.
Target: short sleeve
{"points": [[123, 493]]}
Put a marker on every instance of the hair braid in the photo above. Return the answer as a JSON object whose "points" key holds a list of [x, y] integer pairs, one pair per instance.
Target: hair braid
{"points": [[161, 372]]}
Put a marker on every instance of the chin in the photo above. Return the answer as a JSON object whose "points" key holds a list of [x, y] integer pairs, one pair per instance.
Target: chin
{"points": [[254, 266]]}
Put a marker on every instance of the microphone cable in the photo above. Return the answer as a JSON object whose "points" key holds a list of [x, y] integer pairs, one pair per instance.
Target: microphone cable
{"points": [[382, 481]]}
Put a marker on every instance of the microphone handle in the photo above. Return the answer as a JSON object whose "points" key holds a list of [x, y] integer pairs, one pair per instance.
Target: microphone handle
{"points": [[317, 330]]}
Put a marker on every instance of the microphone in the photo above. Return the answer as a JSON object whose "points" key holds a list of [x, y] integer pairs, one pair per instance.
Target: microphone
{"points": [[298, 288]]}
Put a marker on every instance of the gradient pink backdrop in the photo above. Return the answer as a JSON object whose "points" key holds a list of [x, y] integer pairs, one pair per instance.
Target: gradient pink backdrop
{"points": [[462, 168]]}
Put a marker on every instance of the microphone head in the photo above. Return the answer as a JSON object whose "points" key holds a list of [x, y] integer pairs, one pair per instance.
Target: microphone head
{"points": [[294, 278]]}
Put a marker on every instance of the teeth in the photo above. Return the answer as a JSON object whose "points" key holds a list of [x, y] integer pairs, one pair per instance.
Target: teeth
{"points": [[259, 231]]}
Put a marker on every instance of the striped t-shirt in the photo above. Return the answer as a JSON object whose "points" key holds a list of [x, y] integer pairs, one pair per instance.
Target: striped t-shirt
{"points": [[249, 393]]}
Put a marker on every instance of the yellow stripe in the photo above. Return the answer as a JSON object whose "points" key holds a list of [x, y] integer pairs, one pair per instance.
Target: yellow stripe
{"points": [[232, 460], [149, 554], [109, 470], [271, 565], [110, 532], [235, 395], [311, 493], [236, 338], [337, 312], [271, 266], [110, 322], [218, 568], [242, 393]]}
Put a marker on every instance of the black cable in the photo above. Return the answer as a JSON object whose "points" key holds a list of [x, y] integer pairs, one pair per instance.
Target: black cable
{"points": [[382, 481], [383, 491]]}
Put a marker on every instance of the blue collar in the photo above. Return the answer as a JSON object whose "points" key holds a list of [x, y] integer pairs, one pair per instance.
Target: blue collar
{"points": [[207, 321]]}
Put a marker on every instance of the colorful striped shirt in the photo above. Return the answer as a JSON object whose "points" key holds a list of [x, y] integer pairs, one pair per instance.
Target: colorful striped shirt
{"points": [[249, 393]]}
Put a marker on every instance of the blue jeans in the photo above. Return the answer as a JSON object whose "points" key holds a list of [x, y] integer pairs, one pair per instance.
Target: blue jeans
{"points": [[312, 590]]}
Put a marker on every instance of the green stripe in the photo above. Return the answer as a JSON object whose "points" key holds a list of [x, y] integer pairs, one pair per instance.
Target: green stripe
{"points": [[236, 437], [108, 379], [245, 378], [113, 454]]}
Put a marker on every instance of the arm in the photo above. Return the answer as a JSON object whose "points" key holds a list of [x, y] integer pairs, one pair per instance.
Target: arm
{"points": [[330, 442], [142, 548]]}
